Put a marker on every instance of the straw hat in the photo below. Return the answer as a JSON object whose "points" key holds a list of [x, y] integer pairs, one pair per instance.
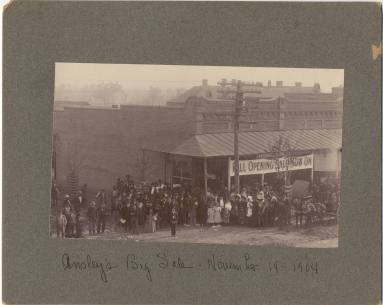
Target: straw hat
{"points": [[260, 195]]}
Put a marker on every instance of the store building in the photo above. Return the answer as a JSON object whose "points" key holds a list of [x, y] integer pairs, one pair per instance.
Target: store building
{"points": [[190, 140], [206, 161]]}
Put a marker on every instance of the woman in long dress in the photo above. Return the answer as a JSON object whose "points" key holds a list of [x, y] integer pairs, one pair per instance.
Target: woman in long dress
{"points": [[217, 214], [249, 210], [210, 209], [210, 215], [226, 213]]}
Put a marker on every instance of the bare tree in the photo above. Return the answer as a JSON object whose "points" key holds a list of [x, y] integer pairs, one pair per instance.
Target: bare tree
{"points": [[76, 148], [282, 148], [109, 93], [75, 160]]}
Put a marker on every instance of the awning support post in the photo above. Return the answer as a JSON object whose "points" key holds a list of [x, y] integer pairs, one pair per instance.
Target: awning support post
{"points": [[312, 171], [262, 180], [205, 174], [228, 176], [171, 171], [312, 176]]}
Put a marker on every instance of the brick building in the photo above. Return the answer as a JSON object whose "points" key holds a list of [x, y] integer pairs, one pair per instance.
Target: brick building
{"points": [[190, 139]]}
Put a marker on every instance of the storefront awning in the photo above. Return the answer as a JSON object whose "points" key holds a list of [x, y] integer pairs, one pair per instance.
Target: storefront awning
{"points": [[258, 142]]}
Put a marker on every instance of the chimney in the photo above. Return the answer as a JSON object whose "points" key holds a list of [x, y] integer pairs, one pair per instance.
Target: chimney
{"points": [[316, 88], [337, 91], [269, 83], [279, 83], [205, 87], [298, 84]]}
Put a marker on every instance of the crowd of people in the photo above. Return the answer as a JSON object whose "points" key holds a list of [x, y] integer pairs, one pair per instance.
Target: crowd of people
{"points": [[135, 208]]}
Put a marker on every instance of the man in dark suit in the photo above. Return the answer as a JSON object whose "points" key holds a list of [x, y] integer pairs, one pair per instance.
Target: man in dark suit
{"points": [[78, 204], [101, 218], [92, 217], [134, 217]]}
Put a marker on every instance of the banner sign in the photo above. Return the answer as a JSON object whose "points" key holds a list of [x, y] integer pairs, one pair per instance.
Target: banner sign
{"points": [[266, 166]]}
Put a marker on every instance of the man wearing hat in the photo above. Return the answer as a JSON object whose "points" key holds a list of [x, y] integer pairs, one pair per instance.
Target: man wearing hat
{"points": [[133, 213], [260, 203], [67, 211], [78, 204], [92, 216], [273, 210], [255, 212], [242, 209], [101, 217], [298, 207], [235, 207]]}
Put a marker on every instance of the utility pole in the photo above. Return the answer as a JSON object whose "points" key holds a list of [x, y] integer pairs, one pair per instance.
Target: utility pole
{"points": [[239, 105]]}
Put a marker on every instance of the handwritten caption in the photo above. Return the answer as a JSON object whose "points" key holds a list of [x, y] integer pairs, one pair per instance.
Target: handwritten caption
{"points": [[133, 263]]}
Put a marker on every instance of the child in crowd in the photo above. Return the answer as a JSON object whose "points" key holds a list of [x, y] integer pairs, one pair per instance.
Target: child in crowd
{"points": [[124, 213], [173, 221], [154, 222]]}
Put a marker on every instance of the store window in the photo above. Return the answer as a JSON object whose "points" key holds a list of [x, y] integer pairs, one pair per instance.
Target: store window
{"points": [[182, 170]]}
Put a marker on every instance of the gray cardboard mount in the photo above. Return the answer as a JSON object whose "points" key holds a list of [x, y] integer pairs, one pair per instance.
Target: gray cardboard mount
{"points": [[312, 35]]}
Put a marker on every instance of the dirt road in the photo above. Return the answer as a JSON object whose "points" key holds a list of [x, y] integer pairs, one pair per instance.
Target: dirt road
{"points": [[315, 237]]}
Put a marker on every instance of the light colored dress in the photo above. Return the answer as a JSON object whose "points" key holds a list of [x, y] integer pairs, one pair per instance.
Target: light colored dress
{"points": [[210, 215], [249, 211], [217, 214], [154, 219]]}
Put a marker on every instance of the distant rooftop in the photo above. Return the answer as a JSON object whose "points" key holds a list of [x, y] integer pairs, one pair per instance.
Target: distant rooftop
{"points": [[269, 91]]}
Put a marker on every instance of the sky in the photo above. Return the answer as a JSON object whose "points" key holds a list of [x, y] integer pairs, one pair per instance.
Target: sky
{"points": [[177, 76]]}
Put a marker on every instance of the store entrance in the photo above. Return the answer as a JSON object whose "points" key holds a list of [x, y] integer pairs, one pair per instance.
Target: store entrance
{"points": [[217, 175]]}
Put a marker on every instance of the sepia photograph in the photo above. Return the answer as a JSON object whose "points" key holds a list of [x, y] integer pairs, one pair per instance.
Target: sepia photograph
{"points": [[197, 154]]}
